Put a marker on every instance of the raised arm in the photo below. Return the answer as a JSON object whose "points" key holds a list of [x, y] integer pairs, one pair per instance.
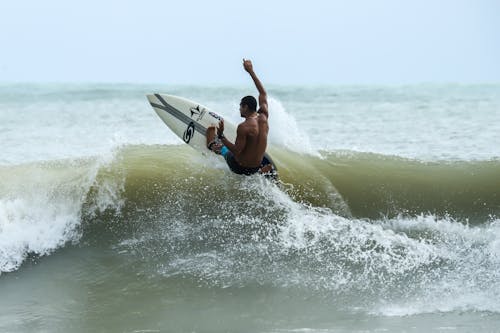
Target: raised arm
{"points": [[247, 64]]}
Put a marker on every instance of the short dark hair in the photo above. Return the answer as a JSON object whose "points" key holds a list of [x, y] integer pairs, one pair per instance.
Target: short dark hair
{"points": [[249, 101]]}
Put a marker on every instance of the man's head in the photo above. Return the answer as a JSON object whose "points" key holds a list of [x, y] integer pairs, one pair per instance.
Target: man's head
{"points": [[248, 105]]}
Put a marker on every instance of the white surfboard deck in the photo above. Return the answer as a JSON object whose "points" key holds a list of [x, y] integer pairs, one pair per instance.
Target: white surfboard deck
{"points": [[189, 121]]}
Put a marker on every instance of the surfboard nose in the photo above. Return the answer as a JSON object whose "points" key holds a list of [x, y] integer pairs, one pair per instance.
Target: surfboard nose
{"points": [[152, 98]]}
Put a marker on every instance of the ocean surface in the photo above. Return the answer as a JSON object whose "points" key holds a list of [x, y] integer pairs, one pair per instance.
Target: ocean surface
{"points": [[386, 217]]}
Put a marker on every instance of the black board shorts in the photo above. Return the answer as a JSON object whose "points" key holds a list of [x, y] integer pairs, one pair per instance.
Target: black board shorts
{"points": [[236, 167]]}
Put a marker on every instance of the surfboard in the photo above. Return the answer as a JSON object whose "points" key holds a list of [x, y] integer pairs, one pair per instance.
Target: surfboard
{"points": [[189, 120]]}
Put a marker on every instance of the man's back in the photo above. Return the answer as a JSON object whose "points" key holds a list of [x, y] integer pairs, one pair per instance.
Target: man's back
{"points": [[255, 129]]}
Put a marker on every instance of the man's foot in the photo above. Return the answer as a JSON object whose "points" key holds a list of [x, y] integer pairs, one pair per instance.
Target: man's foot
{"points": [[266, 168]]}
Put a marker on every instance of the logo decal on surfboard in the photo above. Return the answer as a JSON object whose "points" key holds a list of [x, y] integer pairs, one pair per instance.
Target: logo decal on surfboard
{"points": [[188, 133], [196, 111]]}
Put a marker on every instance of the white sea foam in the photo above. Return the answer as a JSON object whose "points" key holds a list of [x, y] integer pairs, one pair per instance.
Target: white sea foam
{"points": [[41, 206], [285, 130], [422, 264], [470, 279]]}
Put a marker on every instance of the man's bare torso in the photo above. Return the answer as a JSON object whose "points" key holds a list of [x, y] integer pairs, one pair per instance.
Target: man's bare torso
{"points": [[255, 129]]}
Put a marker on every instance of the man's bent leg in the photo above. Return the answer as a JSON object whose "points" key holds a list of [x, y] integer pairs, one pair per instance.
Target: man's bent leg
{"points": [[213, 143]]}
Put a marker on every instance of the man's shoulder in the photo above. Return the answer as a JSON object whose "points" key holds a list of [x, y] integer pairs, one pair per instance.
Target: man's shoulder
{"points": [[243, 126], [263, 109]]}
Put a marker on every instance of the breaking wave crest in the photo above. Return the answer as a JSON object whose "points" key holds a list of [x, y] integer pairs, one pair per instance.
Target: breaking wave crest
{"points": [[396, 230]]}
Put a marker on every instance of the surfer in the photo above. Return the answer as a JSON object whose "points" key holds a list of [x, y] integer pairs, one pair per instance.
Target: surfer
{"points": [[245, 155]]}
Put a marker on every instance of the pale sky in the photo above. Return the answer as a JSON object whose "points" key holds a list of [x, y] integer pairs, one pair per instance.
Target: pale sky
{"points": [[290, 42]]}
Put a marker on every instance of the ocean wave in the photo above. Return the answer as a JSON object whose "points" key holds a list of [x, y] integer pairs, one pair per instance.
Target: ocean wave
{"points": [[179, 214], [42, 205]]}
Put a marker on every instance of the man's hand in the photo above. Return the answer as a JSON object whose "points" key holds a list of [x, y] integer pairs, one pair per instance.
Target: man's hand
{"points": [[247, 64], [220, 129]]}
